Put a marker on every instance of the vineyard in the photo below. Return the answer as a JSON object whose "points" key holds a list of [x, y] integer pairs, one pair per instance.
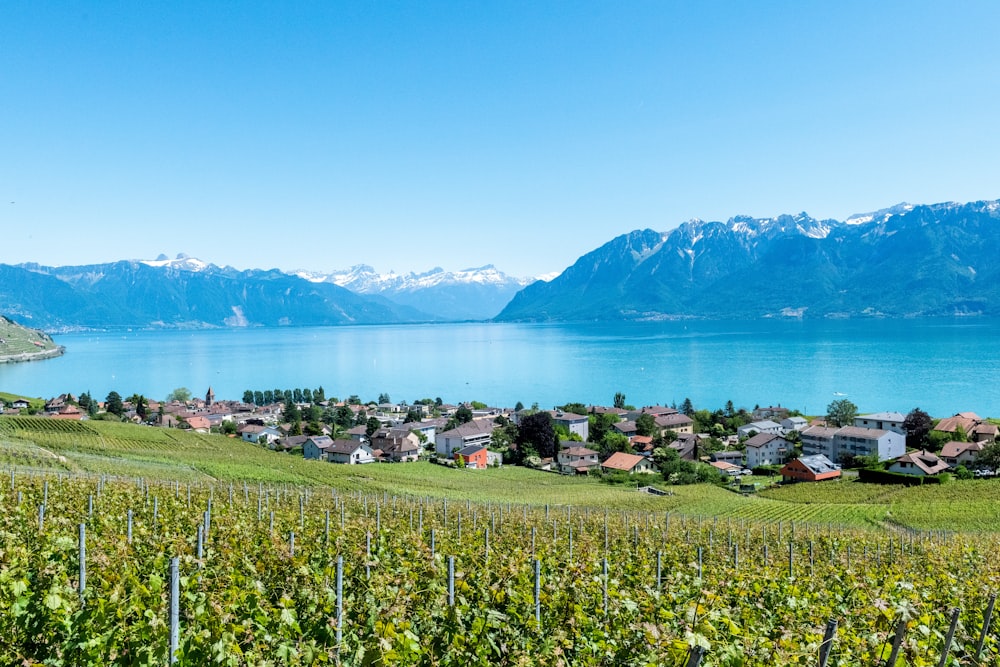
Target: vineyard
{"points": [[287, 575]]}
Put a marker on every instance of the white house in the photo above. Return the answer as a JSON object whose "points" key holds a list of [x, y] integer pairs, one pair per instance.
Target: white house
{"points": [[767, 449], [573, 423], [794, 424], [574, 460], [818, 440], [350, 452], [920, 463], [765, 426]]}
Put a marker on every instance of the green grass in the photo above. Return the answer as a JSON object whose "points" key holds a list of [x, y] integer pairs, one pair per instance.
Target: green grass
{"points": [[169, 454], [20, 340]]}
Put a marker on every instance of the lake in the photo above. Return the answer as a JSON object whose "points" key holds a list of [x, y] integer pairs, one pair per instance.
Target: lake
{"points": [[942, 366]]}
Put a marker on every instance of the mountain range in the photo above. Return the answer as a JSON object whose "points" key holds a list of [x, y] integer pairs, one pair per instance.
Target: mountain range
{"points": [[904, 261], [472, 294]]}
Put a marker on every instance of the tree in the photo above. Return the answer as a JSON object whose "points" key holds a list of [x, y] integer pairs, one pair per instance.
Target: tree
{"points": [[141, 407], [989, 457], [538, 432], [371, 426], [291, 413], [113, 404], [687, 407], [297, 395], [248, 396], [600, 425], [268, 397], [384, 398], [182, 394], [730, 411], [841, 412], [575, 408], [619, 400], [412, 415], [258, 398], [463, 415], [319, 396], [614, 442], [645, 424], [518, 406], [307, 395], [917, 425]]}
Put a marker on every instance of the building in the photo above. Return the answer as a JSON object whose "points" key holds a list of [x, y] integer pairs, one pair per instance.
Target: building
{"points": [[818, 440], [960, 453], [677, 422], [630, 463], [854, 441], [922, 463], [975, 427], [770, 412], [475, 432], [814, 468], [577, 460], [350, 452], [767, 449], [474, 456], [734, 457], [315, 447], [766, 426], [573, 423], [794, 424], [885, 421]]}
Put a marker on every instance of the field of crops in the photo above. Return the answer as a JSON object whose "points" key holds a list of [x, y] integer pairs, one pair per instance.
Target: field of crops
{"points": [[258, 573]]}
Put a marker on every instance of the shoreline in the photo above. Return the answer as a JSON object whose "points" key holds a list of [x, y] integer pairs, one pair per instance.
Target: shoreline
{"points": [[24, 357]]}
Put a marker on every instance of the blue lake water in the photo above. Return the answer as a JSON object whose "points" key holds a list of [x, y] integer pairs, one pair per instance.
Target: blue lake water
{"points": [[942, 366]]}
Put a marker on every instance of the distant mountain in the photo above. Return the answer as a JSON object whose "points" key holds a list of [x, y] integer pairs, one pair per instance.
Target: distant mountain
{"points": [[182, 293], [472, 294], [903, 261]]}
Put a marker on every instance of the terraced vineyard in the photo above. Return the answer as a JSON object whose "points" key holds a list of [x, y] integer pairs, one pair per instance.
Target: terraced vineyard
{"points": [[531, 585]]}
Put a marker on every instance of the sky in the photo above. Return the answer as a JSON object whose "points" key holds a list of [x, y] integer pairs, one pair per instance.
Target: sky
{"points": [[409, 135]]}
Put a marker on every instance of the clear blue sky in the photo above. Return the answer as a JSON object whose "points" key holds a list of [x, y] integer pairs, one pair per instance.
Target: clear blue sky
{"points": [[408, 135]]}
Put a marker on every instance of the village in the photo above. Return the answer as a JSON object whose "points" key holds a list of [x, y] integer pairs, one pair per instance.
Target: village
{"points": [[619, 440]]}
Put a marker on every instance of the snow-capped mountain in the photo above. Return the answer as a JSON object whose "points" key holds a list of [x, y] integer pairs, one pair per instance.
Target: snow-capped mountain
{"points": [[900, 261], [471, 294]]}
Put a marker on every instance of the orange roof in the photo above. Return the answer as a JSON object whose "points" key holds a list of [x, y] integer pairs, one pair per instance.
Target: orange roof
{"points": [[622, 461]]}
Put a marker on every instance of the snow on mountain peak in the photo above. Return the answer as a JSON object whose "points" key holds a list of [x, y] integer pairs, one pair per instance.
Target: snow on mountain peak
{"points": [[181, 263]]}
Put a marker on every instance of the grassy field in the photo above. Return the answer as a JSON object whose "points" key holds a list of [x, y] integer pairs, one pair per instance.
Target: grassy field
{"points": [[166, 454]]}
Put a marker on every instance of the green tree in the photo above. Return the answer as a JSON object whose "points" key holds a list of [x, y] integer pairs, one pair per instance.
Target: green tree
{"points": [[307, 395], [917, 425], [182, 394], [463, 415], [113, 404], [518, 406], [841, 412], [619, 400], [412, 415], [614, 442], [384, 398], [645, 424], [319, 396], [258, 398], [371, 426], [574, 408], [291, 413], [687, 407], [248, 396], [141, 407], [600, 425], [989, 457], [538, 432]]}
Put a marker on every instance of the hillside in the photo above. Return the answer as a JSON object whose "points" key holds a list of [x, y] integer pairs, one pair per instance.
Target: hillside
{"points": [[18, 343], [904, 261]]}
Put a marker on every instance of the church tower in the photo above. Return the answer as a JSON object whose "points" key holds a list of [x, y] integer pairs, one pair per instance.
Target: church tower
{"points": [[209, 397]]}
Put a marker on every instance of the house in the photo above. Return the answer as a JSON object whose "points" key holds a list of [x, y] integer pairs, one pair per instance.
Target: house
{"points": [[921, 463], [728, 468], [854, 441], [252, 433], [766, 426], [975, 427], [961, 453], [626, 428], [767, 449], [573, 423], [677, 422], [577, 460], [734, 457], [641, 444], [350, 452], [291, 442], [358, 433], [886, 421], [770, 412], [475, 432], [68, 411], [315, 446], [794, 424], [630, 463], [813, 468], [20, 404], [199, 424], [686, 446], [474, 456], [399, 445]]}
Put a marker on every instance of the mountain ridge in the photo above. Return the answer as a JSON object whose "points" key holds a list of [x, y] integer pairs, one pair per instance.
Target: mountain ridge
{"points": [[902, 261]]}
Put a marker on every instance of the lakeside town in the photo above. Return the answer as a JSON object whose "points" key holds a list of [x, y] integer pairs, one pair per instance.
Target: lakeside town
{"points": [[678, 444]]}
